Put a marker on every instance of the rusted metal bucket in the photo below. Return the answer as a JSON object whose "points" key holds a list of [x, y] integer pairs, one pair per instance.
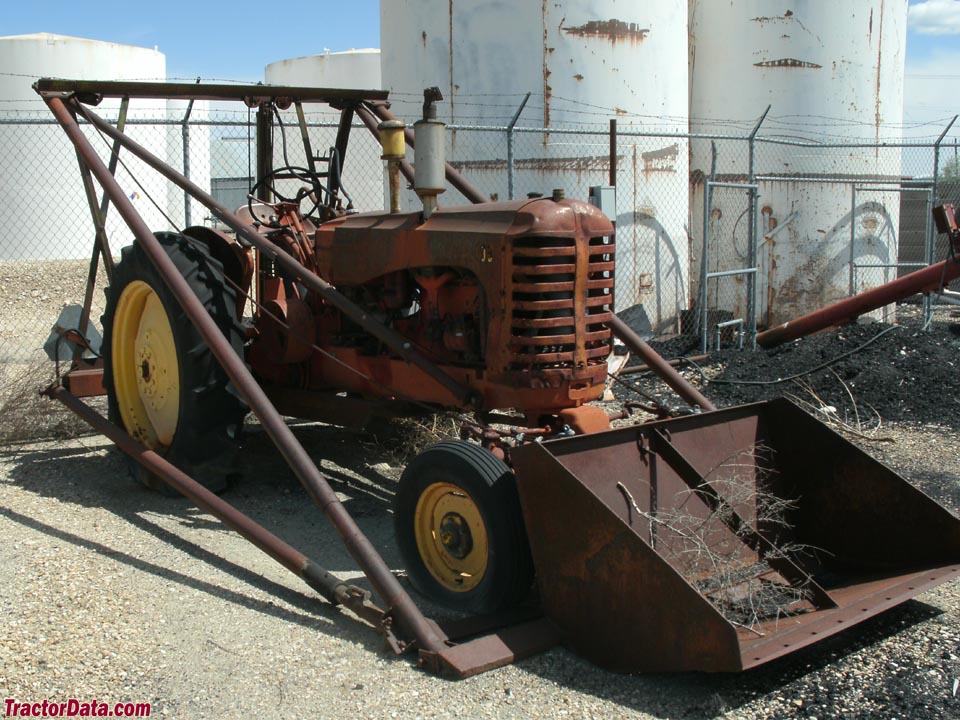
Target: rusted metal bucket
{"points": [[721, 541]]}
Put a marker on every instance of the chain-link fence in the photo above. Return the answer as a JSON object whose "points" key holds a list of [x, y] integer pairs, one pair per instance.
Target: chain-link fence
{"points": [[715, 235]]}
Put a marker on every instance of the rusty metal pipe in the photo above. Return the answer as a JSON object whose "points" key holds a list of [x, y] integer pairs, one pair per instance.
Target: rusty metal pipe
{"points": [[676, 362], [357, 544], [657, 364], [922, 281], [329, 586], [392, 339], [458, 181]]}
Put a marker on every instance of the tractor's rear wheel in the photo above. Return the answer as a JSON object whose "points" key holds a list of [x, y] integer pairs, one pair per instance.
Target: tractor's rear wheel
{"points": [[163, 384], [460, 529]]}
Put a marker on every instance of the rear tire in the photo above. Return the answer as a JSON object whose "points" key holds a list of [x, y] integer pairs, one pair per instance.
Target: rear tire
{"points": [[460, 529], [164, 387]]}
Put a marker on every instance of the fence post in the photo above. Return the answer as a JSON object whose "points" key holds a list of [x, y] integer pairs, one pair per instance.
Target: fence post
{"points": [[851, 291], [753, 239], [613, 152], [701, 321], [932, 235], [513, 122], [185, 133], [264, 149]]}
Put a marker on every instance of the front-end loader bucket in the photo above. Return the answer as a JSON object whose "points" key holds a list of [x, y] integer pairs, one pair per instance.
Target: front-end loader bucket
{"points": [[723, 540]]}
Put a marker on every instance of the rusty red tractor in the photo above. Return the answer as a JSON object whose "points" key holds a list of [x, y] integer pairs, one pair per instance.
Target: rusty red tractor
{"points": [[503, 310]]}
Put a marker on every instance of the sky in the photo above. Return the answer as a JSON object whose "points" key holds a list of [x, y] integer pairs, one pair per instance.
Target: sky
{"points": [[933, 61], [214, 40], [236, 40]]}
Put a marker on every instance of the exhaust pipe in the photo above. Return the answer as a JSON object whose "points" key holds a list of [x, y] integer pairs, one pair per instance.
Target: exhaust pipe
{"points": [[430, 138]]}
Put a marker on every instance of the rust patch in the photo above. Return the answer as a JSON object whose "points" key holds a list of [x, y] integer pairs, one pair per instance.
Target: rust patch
{"points": [[644, 285], [547, 90], [877, 89], [578, 164], [663, 160], [619, 111], [773, 18], [423, 36], [578, 77], [613, 30], [787, 63], [450, 30]]}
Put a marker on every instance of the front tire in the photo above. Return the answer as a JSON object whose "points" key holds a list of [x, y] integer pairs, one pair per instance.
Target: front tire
{"points": [[164, 387], [460, 529]]}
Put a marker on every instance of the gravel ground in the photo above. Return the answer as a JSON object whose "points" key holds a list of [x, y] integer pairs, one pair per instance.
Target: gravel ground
{"points": [[115, 593], [32, 293]]}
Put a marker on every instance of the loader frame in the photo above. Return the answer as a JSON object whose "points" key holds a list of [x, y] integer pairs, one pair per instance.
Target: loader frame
{"points": [[401, 622]]}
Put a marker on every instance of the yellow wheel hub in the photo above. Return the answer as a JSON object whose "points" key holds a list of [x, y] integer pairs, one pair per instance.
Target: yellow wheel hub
{"points": [[146, 375], [451, 537]]}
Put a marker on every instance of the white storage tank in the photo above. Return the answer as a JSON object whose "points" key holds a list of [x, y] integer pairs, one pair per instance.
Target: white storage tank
{"points": [[584, 62], [43, 209], [831, 72], [355, 69], [358, 69]]}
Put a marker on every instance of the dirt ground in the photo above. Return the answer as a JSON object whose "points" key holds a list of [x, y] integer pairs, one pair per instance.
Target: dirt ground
{"points": [[116, 593]]}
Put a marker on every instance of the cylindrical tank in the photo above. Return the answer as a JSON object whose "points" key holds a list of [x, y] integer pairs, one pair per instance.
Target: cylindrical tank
{"points": [[830, 72], [43, 209], [358, 69], [583, 62]]}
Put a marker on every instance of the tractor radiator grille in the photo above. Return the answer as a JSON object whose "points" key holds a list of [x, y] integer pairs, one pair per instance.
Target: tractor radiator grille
{"points": [[562, 301]]}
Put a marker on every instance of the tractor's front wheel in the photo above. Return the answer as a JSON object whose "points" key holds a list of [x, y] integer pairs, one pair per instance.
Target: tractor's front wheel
{"points": [[460, 529], [163, 384]]}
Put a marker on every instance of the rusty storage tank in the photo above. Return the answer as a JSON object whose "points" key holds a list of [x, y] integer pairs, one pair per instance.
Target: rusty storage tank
{"points": [[831, 72], [33, 169], [358, 68], [583, 63]]}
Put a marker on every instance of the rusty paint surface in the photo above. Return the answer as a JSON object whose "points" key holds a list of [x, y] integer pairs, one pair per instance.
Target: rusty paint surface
{"points": [[576, 164], [876, 91], [787, 63], [452, 85], [663, 160], [547, 90], [523, 289], [774, 18], [613, 30], [598, 551]]}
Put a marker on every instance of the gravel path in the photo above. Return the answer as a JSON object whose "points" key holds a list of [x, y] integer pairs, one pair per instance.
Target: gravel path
{"points": [[115, 593]]}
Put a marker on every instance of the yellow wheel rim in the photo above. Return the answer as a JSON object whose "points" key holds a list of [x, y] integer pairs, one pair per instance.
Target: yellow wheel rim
{"points": [[146, 375], [451, 537]]}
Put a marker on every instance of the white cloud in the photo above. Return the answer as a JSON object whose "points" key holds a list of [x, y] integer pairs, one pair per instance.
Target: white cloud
{"points": [[935, 17]]}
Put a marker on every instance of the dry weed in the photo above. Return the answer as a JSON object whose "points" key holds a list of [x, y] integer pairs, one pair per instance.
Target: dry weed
{"points": [[405, 437], [25, 415], [716, 549]]}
